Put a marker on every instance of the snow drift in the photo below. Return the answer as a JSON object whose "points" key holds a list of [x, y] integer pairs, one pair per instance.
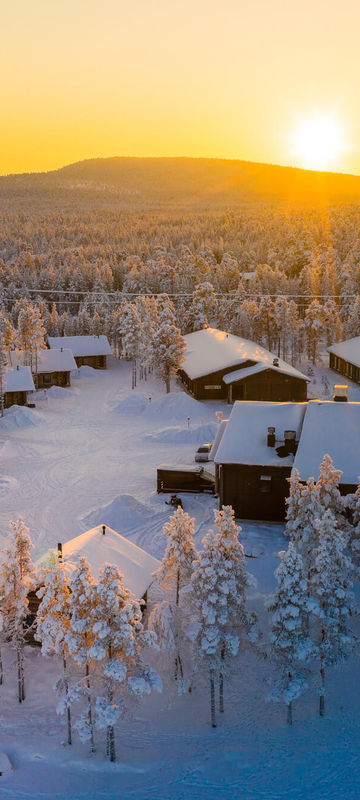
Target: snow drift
{"points": [[20, 417], [185, 435], [122, 514], [177, 405], [131, 404]]}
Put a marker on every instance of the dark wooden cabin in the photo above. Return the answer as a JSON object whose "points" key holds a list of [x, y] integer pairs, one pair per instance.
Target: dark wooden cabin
{"points": [[220, 366], [255, 458], [344, 358], [91, 351]]}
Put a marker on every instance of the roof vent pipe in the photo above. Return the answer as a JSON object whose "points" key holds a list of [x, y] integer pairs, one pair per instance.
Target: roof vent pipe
{"points": [[290, 441], [60, 551], [17, 366], [275, 362], [103, 530], [271, 437]]}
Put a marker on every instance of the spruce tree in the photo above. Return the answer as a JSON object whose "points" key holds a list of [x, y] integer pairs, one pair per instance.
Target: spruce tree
{"points": [[291, 647], [332, 592], [219, 585]]}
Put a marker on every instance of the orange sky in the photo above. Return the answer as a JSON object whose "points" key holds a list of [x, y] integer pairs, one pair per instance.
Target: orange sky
{"points": [[231, 79]]}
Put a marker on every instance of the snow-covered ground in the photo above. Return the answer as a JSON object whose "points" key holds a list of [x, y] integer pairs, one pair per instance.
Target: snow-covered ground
{"points": [[89, 455]]}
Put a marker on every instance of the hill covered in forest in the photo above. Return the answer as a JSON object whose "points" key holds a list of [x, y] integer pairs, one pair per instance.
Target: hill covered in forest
{"points": [[174, 182]]}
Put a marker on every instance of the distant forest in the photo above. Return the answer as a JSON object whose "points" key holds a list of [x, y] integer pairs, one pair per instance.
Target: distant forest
{"points": [[261, 261]]}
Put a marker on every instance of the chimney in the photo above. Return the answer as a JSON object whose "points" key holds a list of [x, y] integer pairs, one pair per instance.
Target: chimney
{"points": [[60, 551], [271, 437], [290, 441], [340, 393], [275, 362], [17, 366], [61, 349], [103, 530]]}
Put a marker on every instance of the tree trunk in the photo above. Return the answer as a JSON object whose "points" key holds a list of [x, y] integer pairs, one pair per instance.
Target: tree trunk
{"points": [[91, 724], [68, 710], [1, 670], [20, 682], [322, 693], [289, 713], [167, 383], [221, 684], [212, 699]]}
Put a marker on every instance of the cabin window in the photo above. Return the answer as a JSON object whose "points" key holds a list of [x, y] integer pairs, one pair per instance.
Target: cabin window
{"points": [[212, 386], [265, 483], [47, 378]]}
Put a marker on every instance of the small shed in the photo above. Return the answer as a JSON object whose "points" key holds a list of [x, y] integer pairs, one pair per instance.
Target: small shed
{"points": [[333, 428], [184, 478], [255, 457], [91, 351], [344, 357], [17, 383], [219, 365]]}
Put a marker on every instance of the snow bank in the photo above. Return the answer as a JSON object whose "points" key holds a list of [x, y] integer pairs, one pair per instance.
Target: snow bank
{"points": [[86, 372], [5, 766], [20, 417], [122, 514], [131, 404], [185, 435], [177, 406], [59, 392]]}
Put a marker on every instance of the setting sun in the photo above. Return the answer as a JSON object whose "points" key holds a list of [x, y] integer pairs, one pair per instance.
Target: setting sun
{"points": [[318, 143]]}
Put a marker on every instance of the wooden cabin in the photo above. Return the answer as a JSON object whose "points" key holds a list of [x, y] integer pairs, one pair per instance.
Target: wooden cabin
{"points": [[91, 351], [54, 367], [221, 366], [255, 458], [102, 545], [344, 358], [17, 383]]}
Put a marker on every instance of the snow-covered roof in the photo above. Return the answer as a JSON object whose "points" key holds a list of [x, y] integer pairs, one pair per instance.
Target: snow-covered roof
{"points": [[210, 350], [349, 350], [135, 564], [245, 437], [82, 345], [19, 379], [246, 372], [61, 360], [333, 428]]}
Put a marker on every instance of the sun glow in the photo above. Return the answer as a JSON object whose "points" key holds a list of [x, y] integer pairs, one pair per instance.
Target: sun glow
{"points": [[318, 143]]}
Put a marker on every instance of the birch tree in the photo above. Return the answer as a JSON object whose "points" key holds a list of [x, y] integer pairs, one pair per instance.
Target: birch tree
{"points": [[17, 578], [53, 624]]}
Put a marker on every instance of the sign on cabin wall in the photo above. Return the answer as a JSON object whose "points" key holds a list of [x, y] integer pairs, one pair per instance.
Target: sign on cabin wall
{"points": [[212, 386]]}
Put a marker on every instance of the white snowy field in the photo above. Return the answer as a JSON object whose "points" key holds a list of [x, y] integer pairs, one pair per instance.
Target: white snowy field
{"points": [[89, 455]]}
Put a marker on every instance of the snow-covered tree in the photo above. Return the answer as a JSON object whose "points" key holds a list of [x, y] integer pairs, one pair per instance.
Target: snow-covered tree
{"points": [[118, 640], [17, 578], [202, 307], [327, 486], [219, 585], [291, 647], [79, 638], [331, 581], [131, 336], [174, 574], [168, 346], [53, 623], [303, 508]]}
